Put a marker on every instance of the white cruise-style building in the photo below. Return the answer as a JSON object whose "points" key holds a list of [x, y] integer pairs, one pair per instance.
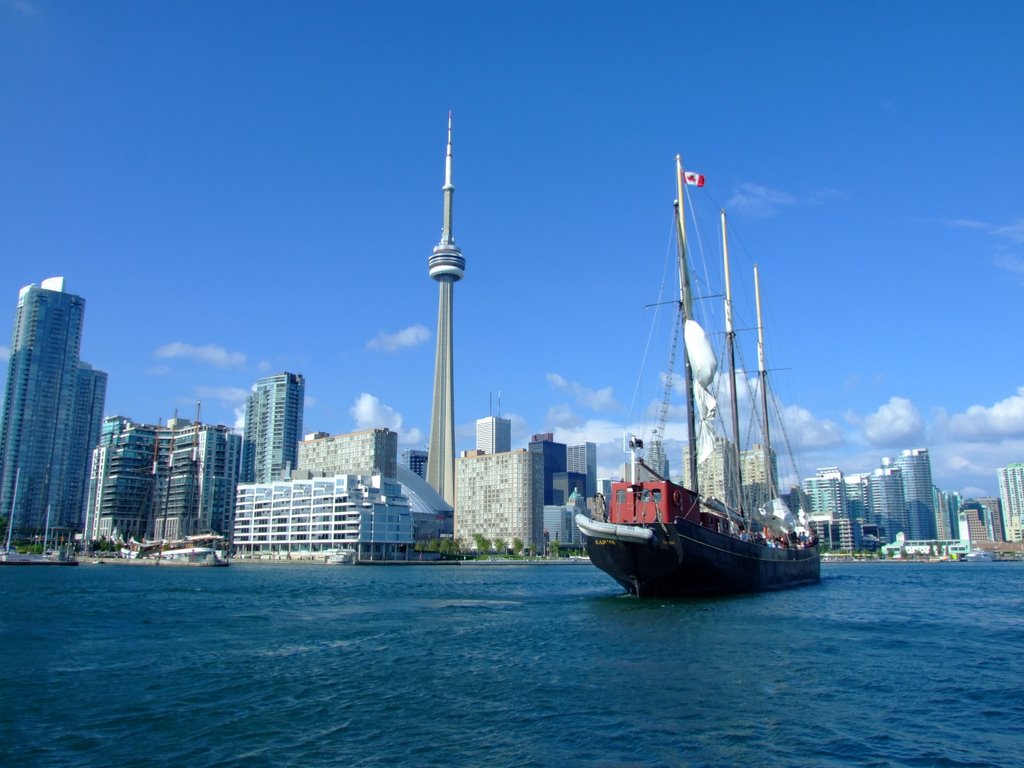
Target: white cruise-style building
{"points": [[303, 518]]}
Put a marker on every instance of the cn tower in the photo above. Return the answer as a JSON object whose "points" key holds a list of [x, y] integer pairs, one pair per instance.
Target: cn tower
{"points": [[447, 265]]}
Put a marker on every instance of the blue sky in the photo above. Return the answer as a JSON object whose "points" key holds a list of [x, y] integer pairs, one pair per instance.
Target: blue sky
{"points": [[243, 188]]}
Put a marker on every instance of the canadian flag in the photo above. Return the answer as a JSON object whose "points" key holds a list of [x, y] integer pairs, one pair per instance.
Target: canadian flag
{"points": [[694, 179]]}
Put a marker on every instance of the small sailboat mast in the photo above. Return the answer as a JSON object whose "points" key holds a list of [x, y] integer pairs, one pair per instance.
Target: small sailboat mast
{"points": [[730, 343], [762, 373], [686, 311], [10, 519]]}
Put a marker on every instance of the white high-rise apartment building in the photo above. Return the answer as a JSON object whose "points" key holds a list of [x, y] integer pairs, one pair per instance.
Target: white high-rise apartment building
{"points": [[494, 434], [500, 496], [716, 476], [1011, 493], [367, 514]]}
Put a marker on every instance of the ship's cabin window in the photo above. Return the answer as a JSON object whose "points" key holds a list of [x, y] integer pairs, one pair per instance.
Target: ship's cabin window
{"points": [[620, 496], [656, 495], [645, 496]]}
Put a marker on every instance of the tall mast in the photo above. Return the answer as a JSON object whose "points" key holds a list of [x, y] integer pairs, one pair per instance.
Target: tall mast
{"points": [[686, 310], [730, 343], [762, 373]]}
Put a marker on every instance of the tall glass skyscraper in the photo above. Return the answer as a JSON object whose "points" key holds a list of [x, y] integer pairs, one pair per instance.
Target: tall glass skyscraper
{"points": [[888, 506], [53, 407], [273, 428], [916, 471]]}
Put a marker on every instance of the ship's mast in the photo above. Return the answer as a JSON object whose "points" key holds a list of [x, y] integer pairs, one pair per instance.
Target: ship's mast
{"points": [[730, 343], [686, 311], [762, 373]]}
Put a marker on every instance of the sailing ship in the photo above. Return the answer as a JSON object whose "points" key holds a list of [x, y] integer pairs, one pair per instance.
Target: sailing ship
{"points": [[658, 538], [207, 548]]}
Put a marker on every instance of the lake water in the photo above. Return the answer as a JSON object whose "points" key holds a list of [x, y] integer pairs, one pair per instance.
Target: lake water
{"points": [[278, 665]]}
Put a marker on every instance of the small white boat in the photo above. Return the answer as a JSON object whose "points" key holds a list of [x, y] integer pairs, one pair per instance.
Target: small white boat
{"points": [[340, 557], [980, 556]]}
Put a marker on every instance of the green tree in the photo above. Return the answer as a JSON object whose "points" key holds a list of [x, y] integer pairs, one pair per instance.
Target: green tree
{"points": [[517, 546], [501, 546], [555, 549], [449, 547], [483, 544]]}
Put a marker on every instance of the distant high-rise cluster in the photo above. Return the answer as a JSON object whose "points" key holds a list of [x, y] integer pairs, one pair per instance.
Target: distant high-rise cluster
{"points": [[899, 501], [53, 407], [152, 481]]}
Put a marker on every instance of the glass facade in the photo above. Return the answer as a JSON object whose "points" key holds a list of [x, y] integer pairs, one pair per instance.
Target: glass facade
{"points": [[273, 428], [52, 410]]}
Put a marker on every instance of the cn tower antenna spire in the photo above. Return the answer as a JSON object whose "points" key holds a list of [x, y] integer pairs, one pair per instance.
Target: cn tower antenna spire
{"points": [[447, 235]]}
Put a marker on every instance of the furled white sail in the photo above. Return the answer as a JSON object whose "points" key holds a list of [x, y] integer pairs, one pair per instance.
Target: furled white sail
{"points": [[778, 518], [703, 366]]}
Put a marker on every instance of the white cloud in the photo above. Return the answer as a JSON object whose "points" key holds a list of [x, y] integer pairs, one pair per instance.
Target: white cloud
{"points": [[807, 431], [370, 413], [1010, 264], [213, 354], [24, 7], [239, 418], [973, 492], [594, 399], [226, 395], [392, 342], [263, 365], [979, 423], [897, 422], [1012, 232], [562, 417], [5, 353], [757, 200], [970, 224]]}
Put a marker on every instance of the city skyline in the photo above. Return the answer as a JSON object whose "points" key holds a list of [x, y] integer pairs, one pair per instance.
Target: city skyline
{"points": [[232, 205]]}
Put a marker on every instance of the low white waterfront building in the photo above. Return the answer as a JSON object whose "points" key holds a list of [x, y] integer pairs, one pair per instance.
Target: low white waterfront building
{"points": [[365, 513]]}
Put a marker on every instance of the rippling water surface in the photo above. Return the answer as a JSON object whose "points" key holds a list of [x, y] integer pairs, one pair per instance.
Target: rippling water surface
{"points": [[260, 665]]}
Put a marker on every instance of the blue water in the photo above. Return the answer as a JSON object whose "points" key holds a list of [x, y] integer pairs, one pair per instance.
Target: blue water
{"points": [[260, 665]]}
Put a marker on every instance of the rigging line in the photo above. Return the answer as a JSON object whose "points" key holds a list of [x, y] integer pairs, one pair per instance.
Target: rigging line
{"points": [[785, 435], [641, 421], [700, 249]]}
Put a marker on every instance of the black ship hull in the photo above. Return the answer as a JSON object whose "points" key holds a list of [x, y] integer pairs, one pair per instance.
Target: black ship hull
{"points": [[686, 559]]}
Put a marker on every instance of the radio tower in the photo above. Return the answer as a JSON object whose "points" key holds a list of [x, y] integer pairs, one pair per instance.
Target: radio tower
{"points": [[447, 265]]}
